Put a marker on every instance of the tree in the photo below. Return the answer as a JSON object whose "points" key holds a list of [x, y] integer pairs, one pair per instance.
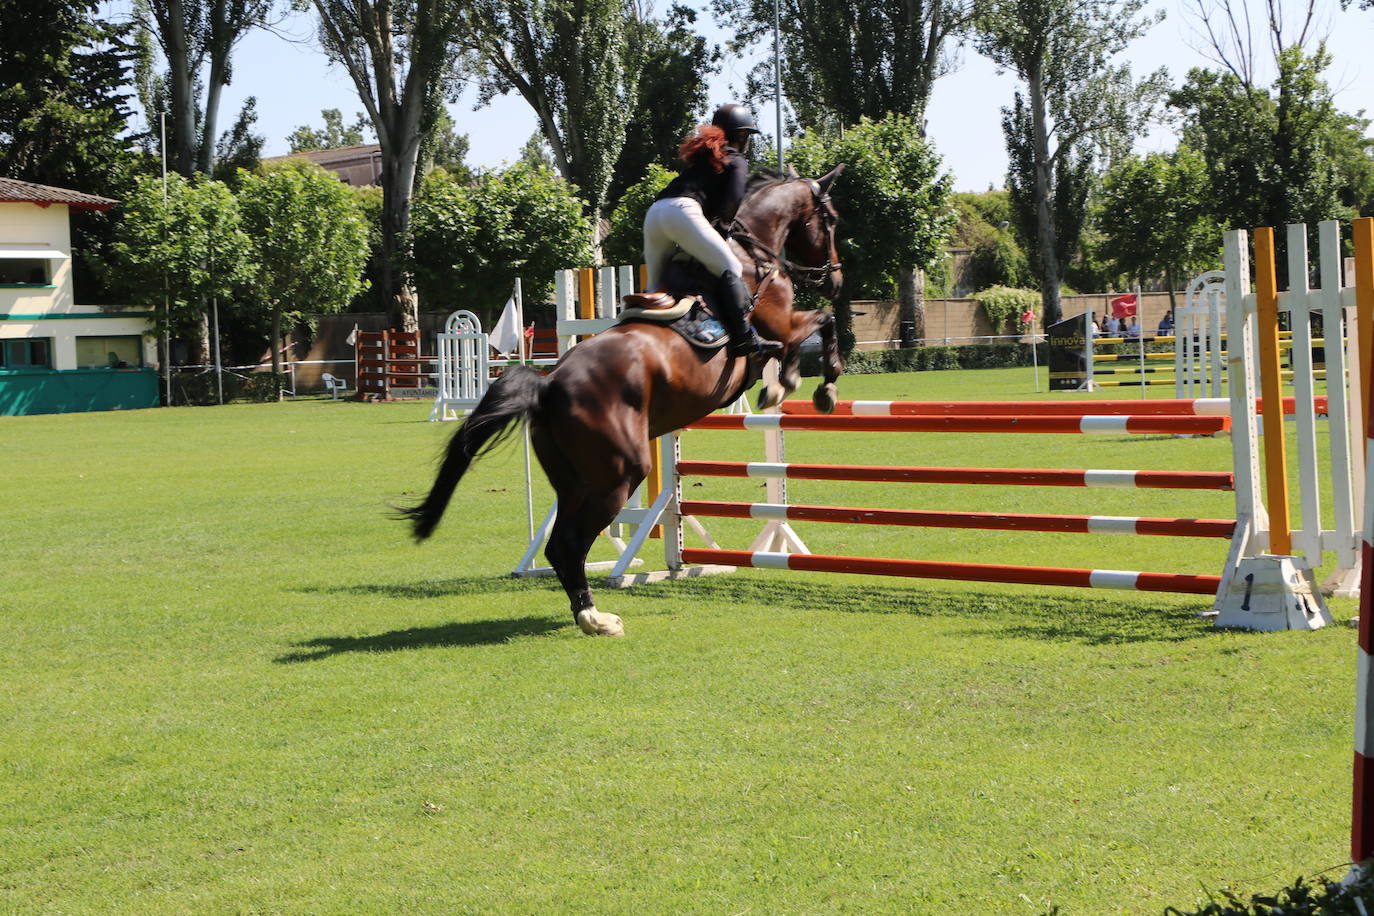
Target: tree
{"points": [[333, 135], [535, 153], [191, 35], [843, 60], [894, 204], [1154, 215], [472, 241], [996, 259], [401, 56], [445, 148], [178, 253], [1077, 107], [674, 63], [64, 115], [309, 243], [1270, 154], [570, 60], [624, 242], [239, 148]]}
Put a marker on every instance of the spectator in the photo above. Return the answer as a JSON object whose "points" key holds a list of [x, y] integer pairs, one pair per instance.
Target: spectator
{"points": [[1132, 331], [1094, 327], [1113, 326], [1166, 324]]}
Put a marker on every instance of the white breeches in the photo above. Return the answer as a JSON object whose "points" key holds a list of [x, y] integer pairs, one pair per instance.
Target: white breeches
{"points": [[679, 221]]}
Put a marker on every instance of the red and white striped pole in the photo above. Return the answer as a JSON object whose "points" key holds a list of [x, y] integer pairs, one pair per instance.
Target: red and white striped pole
{"points": [[1362, 803]]}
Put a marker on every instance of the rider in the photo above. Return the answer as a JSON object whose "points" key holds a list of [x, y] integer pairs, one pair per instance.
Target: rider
{"points": [[704, 195]]}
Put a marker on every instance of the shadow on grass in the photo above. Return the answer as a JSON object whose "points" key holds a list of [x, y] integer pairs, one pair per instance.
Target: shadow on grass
{"points": [[442, 588], [1090, 618], [1015, 615], [473, 633]]}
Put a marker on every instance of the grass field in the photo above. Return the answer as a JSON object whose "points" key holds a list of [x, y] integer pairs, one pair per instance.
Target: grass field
{"points": [[232, 685]]}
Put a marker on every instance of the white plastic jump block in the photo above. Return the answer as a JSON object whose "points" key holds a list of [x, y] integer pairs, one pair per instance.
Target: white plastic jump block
{"points": [[1272, 593]]}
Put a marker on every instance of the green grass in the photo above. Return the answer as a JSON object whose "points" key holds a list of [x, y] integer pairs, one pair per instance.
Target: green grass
{"points": [[232, 685]]}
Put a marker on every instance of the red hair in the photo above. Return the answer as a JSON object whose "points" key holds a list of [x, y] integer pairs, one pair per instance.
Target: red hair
{"points": [[705, 146]]}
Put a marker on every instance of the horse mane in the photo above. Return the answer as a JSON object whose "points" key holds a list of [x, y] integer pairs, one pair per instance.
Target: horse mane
{"points": [[762, 180]]}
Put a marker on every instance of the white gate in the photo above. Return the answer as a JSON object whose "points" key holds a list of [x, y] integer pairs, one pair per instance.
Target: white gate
{"points": [[464, 373], [1199, 344]]}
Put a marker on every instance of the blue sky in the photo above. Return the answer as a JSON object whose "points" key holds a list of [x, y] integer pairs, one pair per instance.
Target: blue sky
{"points": [[293, 81]]}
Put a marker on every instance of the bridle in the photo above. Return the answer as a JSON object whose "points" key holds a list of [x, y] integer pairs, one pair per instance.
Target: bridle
{"points": [[814, 277]]}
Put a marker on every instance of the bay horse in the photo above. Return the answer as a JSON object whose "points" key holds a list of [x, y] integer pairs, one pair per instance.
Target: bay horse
{"points": [[593, 419]]}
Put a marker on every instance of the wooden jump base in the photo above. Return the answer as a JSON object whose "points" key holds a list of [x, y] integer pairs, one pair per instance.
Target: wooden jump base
{"points": [[971, 424], [990, 521], [968, 572], [1153, 480], [1174, 407]]}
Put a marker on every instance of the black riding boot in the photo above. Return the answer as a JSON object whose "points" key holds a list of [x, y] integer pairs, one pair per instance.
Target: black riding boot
{"points": [[735, 306]]}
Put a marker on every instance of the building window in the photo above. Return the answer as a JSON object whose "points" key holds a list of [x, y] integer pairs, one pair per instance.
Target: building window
{"points": [[25, 272], [109, 352], [26, 353]]}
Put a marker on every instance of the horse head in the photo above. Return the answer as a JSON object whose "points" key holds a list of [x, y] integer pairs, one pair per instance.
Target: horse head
{"points": [[810, 240]]}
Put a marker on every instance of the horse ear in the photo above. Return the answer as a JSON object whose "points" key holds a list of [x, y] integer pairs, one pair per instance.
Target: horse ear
{"points": [[825, 180], [792, 171]]}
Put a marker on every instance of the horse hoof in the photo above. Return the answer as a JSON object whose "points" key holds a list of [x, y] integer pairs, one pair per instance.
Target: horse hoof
{"points": [[771, 396], [594, 623], [824, 398]]}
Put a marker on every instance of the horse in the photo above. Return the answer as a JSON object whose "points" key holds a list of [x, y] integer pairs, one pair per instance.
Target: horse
{"points": [[594, 418]]}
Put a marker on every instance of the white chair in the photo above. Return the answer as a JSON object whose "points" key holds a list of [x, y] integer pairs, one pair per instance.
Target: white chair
{"points": [[333, 385]]}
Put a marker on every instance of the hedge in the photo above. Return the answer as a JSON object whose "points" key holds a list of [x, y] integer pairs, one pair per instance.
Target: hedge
{"points": [[927, 359]]}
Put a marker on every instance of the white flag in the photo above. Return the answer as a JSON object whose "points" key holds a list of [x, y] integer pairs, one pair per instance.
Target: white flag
{"points": [[505, 337], [352, 338]]}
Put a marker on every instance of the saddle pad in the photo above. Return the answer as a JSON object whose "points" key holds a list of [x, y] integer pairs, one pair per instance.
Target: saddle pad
{"points": [[697, 326], [684, 305]]}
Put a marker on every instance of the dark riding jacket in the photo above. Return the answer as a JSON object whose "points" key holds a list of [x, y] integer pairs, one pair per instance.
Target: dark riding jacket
{"points": [[719, 193]]}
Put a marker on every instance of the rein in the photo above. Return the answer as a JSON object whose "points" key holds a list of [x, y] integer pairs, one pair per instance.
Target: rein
{"points": [[814, 277]]}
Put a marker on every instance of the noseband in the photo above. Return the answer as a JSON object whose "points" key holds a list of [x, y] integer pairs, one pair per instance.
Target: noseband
{"points": [[814, 277]]}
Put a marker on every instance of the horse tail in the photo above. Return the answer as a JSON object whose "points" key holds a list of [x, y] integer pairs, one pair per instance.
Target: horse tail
{"points": [[516, 394]]}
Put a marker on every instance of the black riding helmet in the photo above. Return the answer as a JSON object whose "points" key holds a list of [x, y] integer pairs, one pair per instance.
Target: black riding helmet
{"points": [[732, 117]]}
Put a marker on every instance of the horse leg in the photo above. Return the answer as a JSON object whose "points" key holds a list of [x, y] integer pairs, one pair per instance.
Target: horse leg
{"points": [[831, 367], [570, 541], [585, 508], [804, 324]]}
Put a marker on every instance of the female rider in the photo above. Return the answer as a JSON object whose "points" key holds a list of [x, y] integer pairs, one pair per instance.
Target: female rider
{"points": [[707, 193]]}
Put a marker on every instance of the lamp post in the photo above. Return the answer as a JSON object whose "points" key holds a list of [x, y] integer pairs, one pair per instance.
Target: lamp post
{"points": [[777, 74]]}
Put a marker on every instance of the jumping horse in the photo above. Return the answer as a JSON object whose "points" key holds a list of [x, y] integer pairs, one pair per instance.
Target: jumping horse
{"points": [[593, 419]]}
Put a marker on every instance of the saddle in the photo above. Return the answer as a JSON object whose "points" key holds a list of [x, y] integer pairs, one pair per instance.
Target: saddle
{"points": [[687, 309]]}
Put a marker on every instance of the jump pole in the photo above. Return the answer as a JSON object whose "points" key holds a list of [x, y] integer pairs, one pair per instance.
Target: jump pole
{"points": [[1170, 407], [1028, 477], [967, 572], [1363, 232], [1362, 796], [1362, 799], [1275, 448]]}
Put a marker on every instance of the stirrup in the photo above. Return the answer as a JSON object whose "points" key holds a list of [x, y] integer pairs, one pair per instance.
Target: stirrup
{"points": [[751, 344]]}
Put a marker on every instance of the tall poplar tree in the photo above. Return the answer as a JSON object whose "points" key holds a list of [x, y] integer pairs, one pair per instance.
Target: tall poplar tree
{"points": [[401, 56], [570, 60], [1076, 108], [846, 60], [197, 39], [843, 60], [675, 63]]}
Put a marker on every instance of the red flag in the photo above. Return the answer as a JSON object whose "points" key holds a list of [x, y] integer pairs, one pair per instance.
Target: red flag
{"points": [[1124, 306], [529, 332]]}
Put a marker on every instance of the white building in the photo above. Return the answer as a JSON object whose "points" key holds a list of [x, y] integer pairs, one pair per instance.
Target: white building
{"points": [[57, 356]]}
